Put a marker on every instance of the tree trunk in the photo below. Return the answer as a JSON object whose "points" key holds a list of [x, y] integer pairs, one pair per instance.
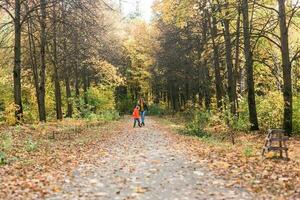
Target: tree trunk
{"points": [[85, 86], [17, 62], [237, 54], [42, 111], [33, 57], [206, 81], [68, 93], [58, 103], [249, 66], [66, 68], [231, 81], [216, 55], [76, 67], [228, 52], [207, 87], [286, 64]]}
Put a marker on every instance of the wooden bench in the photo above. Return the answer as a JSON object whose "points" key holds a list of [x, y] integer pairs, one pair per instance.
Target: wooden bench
{"points": [[278, 138]]}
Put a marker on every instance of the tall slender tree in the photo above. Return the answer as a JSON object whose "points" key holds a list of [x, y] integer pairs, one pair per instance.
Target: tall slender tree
{"points": [[287, 68], [58, 102], [249, 66], [17, 60]]}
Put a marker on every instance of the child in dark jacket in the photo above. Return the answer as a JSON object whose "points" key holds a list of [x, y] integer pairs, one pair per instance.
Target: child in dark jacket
{"points": [[136, 116]]}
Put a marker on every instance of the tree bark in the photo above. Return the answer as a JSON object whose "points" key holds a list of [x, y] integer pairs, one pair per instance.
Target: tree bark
{"points": [[204, 63], [216, 55], [42, 91], [286, 65], [237, 54], [58, 103], [230, 74], [17, 62], [249, 66], [33, 58], [76, 66], [66, 68], [85, 85]]}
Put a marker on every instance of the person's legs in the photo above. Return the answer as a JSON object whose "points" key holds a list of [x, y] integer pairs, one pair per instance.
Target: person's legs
{"points": [[139, 122], [134, 123], [143, 118]]}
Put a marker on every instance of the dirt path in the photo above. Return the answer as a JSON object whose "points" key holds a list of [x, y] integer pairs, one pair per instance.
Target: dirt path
{"points": [[141, 163]]}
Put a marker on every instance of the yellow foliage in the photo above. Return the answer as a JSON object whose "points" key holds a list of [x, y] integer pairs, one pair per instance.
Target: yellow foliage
{"points": [[106, 72], [9, 114]]}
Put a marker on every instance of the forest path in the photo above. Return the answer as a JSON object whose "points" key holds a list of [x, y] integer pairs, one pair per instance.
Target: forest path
{"points": [[143, 163]]}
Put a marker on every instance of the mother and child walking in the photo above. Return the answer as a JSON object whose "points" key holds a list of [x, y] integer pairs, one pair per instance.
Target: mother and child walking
{"points": [[139, 113]]}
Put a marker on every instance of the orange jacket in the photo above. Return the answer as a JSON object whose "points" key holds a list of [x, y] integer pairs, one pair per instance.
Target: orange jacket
{"points": [[136, 113]]}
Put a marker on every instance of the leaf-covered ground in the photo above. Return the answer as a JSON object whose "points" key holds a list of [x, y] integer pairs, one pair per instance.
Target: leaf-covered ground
{"points": [[114, 161], [143, 163], [242, 165], [36, 161]]}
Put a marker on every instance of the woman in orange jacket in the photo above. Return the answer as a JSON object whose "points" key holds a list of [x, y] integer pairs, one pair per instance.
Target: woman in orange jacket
{"points": [[136, 116]]}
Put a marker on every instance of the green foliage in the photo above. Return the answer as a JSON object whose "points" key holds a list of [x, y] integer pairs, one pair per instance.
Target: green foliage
{"points": [[241, 123], [270, 110], [7, 108], [157, 109], [6, 142], [101, 99], [226, 119], [248, 151], [6, 145], [190, 111], [212, 140], [125, 105], [196, 125], [100, 105], [296, 115], [29, 104], [31, 145], [50, 99], [138, 46], [3, 158], [108, 115]]}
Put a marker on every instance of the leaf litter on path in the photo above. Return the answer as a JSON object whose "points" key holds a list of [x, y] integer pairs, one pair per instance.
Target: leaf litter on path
{"points": [[145, 164]]}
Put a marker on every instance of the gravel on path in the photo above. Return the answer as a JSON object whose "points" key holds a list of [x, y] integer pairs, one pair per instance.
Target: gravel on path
{"points": [[141, 163]]}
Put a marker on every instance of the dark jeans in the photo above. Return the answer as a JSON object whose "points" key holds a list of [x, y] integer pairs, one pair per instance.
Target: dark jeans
{"points": [[143, 113], [137, 120]]}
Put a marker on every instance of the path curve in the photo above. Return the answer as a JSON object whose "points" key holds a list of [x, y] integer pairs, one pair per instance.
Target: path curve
{"points": [[141, 163]]}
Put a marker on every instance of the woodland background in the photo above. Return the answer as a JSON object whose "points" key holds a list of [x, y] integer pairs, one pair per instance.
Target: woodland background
{"points": [[233, 63], [225, 70]]}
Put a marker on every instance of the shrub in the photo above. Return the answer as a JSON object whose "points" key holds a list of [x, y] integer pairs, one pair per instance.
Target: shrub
{"points": [[3, 158], [248, 151], [241, 123], [296, 115], [190, 111], [6, 142], [197, 124], [101, 99], [125, 105], [270, 110], [157, 109], [9, 114], [108, 115], [30, 145], [100, 105]]}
